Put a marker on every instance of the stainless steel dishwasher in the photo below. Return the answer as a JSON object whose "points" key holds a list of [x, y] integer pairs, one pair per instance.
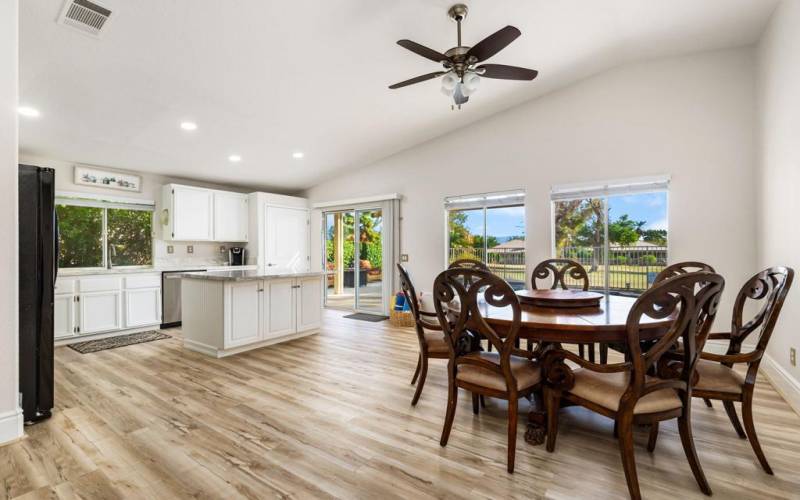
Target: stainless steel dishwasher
{"points": [[171, 297]]}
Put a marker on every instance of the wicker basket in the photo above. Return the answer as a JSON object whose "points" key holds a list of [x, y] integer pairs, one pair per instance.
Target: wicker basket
{"points": [[401, 318]]}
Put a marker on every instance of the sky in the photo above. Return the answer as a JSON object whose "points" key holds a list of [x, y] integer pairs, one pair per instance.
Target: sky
{"points": [[510, 221]]}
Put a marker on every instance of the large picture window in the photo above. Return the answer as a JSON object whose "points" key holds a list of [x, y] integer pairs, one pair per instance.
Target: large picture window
{"points": [[617, 231], [489, 228], [96, 234]]}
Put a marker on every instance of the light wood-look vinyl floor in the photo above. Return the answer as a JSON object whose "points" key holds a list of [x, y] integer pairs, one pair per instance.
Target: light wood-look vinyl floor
{"points": [[330, 416]]}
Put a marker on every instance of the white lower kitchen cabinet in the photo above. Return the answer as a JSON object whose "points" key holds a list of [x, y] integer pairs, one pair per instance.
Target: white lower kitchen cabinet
{"points": [[100, 311], [243, 313], [279, 303], [103, 304], [223, 317], [309, 298], [142, 307], [64, 316]]}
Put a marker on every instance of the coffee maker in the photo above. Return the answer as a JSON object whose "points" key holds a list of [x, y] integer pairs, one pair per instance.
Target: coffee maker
{"points": [[236, 256]]}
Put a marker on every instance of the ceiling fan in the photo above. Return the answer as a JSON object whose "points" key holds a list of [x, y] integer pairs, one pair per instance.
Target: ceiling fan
{"points": [[461, 75]]}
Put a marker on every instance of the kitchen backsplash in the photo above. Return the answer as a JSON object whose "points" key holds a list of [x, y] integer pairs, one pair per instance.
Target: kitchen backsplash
{"points": [[204, 253]]}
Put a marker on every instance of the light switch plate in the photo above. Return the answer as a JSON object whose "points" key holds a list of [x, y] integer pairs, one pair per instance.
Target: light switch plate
{"points": [[793, 356], [189, 248], [222, 249], [170, 249], [403, 257]]}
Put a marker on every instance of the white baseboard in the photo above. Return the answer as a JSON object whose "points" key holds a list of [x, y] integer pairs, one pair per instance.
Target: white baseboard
{"points": [[783, 382], [10, 426]]}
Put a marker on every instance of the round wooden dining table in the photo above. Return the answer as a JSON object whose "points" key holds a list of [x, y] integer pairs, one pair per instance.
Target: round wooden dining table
{"points": [[562, 325]]}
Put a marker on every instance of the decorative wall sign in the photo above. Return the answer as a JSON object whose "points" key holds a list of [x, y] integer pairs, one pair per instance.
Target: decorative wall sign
{"points": [[92, 176]]}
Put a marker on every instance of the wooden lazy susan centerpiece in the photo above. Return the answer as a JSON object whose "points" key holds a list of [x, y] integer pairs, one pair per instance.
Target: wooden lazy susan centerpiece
{"points": [[563, 299]]}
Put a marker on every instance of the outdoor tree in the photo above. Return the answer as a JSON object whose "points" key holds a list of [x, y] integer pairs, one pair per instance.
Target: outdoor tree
{"points": [[625, 231]]}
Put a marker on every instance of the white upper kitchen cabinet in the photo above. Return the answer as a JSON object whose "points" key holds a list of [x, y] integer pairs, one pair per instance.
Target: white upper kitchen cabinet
{"points": [[230, 216], [287, 238], [279, 232], [188, 213]]}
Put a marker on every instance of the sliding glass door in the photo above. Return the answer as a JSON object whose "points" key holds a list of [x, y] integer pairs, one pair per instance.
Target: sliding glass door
{"points": [[354, 249]]}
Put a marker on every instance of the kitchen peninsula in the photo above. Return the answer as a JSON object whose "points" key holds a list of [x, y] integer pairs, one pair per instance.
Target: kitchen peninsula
{"points": [[228, 312]]}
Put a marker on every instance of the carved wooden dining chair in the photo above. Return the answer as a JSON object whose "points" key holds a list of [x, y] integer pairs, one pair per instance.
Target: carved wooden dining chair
{"points": [[431, 339], [558, 271], [680, 268], [716, 378], [625, 391], [509, 373], [472, 264]]}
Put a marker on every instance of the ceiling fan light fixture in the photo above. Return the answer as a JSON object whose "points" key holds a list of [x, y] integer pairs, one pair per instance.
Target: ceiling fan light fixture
{"points": [[470, 84], [449, 83]]}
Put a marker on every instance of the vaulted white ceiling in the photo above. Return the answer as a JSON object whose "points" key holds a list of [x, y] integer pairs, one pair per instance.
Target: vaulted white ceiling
{"points": [[265, 78]]}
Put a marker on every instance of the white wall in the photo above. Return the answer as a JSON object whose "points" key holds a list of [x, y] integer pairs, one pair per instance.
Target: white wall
{"points": [[203, 252], [778, 173], [692, 117], [10, 415]]}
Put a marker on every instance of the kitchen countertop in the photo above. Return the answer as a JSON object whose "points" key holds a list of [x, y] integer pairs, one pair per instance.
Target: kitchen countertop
{"points": [[69, 273], [248, 275]]}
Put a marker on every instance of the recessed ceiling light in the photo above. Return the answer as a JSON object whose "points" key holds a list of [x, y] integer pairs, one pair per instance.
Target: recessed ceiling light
{"points": [[28, 111], [188, 125], [297, 154], [234, 158]]}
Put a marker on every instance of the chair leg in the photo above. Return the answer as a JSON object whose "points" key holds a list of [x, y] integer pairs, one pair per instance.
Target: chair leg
{"points": [[512, 431], [708, 402], [685, 429], [483, 401], [552, 398], [452, 400], [416, 372], [423, 373], [488, 346], [731, 411], [747, 416], [627, 454], [475, 403], [590, 348], [603, 354], [651, 441], [581, 349], [616, 428]]}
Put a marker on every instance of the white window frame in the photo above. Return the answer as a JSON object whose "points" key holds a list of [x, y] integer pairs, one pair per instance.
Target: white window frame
{"points": [[105, 203], [605, 190], [483, 201]]}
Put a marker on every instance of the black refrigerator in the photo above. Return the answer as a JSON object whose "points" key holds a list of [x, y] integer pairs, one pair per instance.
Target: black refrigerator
{"points": [[38, 269]]}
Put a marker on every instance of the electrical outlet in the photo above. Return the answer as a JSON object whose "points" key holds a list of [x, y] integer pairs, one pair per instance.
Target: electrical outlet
{"points": [[189, 248], [403, 257], [222, 249], [793, 356], [170, 249]]}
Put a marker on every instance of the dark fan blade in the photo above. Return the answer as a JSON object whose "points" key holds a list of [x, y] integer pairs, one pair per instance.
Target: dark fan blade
{"points": [[494, 43], [422, 50], [503, 72], [417, 79]]}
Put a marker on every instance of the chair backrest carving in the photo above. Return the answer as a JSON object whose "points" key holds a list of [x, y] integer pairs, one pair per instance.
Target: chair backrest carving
{"points": [[559, 270], [691, 301], [475, 290], [767, 288], [680, 268]]}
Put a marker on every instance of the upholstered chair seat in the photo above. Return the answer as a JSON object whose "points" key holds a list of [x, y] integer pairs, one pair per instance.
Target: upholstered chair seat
{"points": [[526, 372], [715, 377], [606, 389], [436, 342]]}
